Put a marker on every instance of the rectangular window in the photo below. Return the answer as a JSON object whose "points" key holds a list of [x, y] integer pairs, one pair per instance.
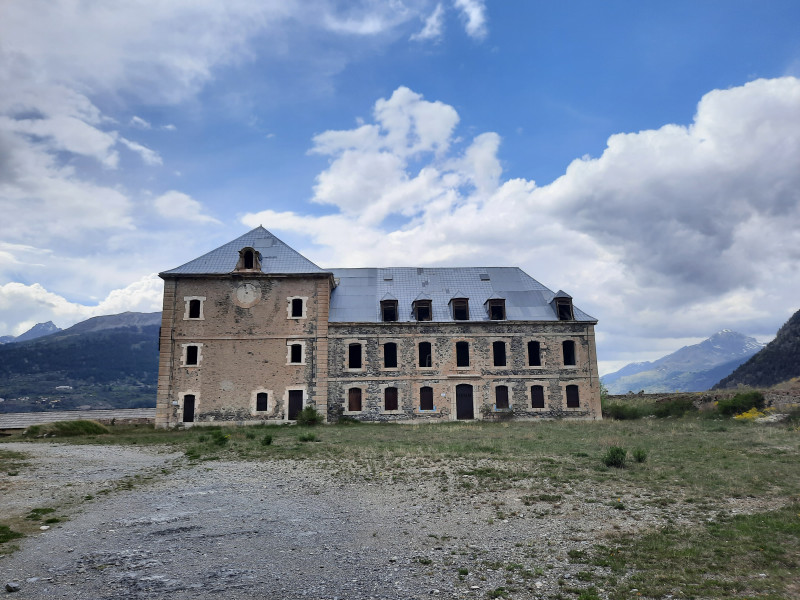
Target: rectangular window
{"points": [[426, 398], [390, 355], [261, 401], [537, 396], [564, 307], [193, 309], [192, 353], [499, 352], [354, 356], [497, 310], [425, 356], [423, 310], [389, 310], [462, 354], [534, 354], [390, 398], [460, 309], [297, 307], [569, 352], [501, 396], [296, 353], [354, 399], [573, 399]]}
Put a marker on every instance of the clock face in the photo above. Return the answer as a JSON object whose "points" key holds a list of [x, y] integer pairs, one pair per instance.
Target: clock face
{"points": [[248, 294]]}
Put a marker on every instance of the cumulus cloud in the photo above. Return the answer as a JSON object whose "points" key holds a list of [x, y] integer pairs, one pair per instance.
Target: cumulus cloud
{"points": [[179, 206], [670, 232]]}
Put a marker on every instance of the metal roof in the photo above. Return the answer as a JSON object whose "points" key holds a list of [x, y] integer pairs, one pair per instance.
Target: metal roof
{"points": [[357, 296], [276, 257]]}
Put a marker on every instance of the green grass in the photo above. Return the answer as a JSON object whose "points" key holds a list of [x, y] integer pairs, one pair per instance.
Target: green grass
{"points": [[7, 534], [66, 429]]}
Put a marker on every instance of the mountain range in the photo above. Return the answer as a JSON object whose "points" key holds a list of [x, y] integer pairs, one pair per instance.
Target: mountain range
{"points": [[779, 361], [104, 362], [691, 369], [37, 331]]}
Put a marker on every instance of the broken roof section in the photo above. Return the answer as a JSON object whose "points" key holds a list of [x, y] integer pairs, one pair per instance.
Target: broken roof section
{"points": [[357, 297], [276, 257]]}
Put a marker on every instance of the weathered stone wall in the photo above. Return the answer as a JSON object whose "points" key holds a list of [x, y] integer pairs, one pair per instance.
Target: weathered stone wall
{"points": [[444, 374], [243, 339]]}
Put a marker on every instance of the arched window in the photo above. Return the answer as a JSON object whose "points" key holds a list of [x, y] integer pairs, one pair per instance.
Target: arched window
{"points": [[501, 396], [261, 401], [188, 408], [426, 398], [248, 259], [354, 399]]}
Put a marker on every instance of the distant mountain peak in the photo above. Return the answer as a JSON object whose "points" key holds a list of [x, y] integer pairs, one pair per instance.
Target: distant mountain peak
{"points": [[37, 331]]}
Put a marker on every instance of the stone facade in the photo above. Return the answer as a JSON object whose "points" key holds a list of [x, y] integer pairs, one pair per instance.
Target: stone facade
{"points": [[257, 342]]}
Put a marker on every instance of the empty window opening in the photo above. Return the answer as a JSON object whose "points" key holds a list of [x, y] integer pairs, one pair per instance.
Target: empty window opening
{"points": [[296, 353], [194, 309], [537, 396], [192, 353], [573, 400], [188, 408], [295, 404], [426, 398], [390, 398], [248, 259], [425, 357], [501, 396], [389, 310], [297, 307], [354, 399], [423, 310], [462, 354], [354, 356], [390, 355], [262, 401], [534, 354], [569, 352], [499, 352], [497, 310], [461, 309], [564, 307]]}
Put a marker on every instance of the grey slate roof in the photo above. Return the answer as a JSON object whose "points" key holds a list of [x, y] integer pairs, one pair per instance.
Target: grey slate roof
{"points": [[276, 257], [357, 297]]}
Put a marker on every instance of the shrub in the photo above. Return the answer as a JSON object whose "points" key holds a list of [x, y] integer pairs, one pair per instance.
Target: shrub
{"points": [[615, 457], [266, 440], [640, 455], [674, 408], [218, 438], [309, 416], [622, 412], [307, 437], [66, 429], [348, 421], [740, 403]]}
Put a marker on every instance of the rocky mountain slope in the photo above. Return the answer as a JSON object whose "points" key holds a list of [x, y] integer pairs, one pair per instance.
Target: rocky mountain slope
{"points": [[104, 362], [37, 331], [779, 361], [691, 369]]}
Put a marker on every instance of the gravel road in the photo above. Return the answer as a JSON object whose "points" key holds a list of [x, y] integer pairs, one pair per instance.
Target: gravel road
{"points": [[290, 529]]}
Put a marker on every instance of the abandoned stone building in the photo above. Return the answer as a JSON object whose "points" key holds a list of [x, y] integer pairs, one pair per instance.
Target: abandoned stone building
{"points": [[253, 332]]}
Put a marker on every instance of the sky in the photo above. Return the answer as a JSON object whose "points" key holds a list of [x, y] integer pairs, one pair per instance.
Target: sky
{"points": [[642, 156]]}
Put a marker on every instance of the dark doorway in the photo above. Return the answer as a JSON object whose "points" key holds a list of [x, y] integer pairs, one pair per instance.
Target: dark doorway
{"points": [[464, 408], [188, 408], [295, 403]]}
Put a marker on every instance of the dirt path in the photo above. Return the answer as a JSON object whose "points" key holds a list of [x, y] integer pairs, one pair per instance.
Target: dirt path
{"points": [[288, 530]]}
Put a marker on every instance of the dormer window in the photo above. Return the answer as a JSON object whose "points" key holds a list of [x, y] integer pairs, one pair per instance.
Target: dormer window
{"points": [[497, 309], [460, 309], [388, 310], [562, 303], [249, 260], [423, 310]]}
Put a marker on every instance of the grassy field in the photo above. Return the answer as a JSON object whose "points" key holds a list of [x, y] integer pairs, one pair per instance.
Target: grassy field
{"points": [[725, 493]]}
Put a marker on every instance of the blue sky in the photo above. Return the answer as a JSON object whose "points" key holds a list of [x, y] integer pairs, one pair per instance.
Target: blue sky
{"points": [[641, 156]]}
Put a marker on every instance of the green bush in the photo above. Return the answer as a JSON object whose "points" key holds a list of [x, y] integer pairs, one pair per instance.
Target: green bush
{"points": [[348, 421], [674, 408], [266, 440], [615, 457], [740, 403], [218, 438], [309, 416], [66, 429], [307, 437], [622, 412], [640, 455]]}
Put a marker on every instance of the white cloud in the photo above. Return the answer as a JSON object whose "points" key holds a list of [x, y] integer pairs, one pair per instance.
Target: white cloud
{"points": [[433, 26], [140, 123], [150, 157], [179, 206], [672, 233], [474, 14], [22, 306]]}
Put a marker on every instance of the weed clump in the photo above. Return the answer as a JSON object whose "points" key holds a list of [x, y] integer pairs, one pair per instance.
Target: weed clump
{"points": [[307, 437], [674, 408], [622, 412], [640, 455], [309, 417], [266, 440], [66, 429], [615, 457], [740, 403], [7, 534]]}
